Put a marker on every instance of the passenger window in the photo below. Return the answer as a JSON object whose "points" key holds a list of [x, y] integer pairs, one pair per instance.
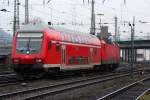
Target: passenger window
{"points": [[69, 38], [76, 39], [95, 51], [80, 40], [57, 47], [49, 45]]}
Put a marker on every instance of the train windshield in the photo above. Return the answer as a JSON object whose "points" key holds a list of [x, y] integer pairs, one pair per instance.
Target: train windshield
{"points": [[29, 43]]}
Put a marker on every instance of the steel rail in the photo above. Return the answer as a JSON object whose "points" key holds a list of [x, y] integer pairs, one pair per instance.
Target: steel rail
{"points": [[6, 72], [41, 91], [122, 90], [6, 79], [138, 98]]}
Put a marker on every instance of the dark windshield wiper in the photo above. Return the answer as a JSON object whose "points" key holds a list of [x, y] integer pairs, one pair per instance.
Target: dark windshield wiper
{"points": [[22, 49], [28, 44]]}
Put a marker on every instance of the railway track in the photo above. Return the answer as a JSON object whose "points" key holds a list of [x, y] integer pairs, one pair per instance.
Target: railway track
{"points": [[6, 72], [130, 92], [34, 92], [7, 78], [42, 92], [143, 94]]}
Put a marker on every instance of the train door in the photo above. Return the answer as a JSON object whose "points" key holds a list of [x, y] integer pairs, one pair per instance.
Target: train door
{"points": [[63, 57], [91, 55], [63, 50]]}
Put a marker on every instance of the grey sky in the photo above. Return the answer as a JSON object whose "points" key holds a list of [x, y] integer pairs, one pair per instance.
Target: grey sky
{"points": [[74, 11]]}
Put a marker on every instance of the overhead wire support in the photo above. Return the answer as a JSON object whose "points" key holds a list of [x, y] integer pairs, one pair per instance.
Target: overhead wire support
{"points": [[116, 29], [17, 18], [48, 1], [132, 40], [14, 22], [26, 12], [132, 44], [92, 30]]}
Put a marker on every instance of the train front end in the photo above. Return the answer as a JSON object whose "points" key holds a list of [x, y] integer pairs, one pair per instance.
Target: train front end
{"points": [[27, 53]]}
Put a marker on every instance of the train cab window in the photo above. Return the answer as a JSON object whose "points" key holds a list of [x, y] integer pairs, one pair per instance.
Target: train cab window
{"points": [[49, 45], [110, 39], [57, 47]]}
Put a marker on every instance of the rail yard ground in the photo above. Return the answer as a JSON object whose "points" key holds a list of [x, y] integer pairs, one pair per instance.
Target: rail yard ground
{"points": [[88, 92]]}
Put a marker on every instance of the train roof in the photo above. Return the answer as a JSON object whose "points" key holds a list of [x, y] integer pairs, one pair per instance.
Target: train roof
{"points": [[73, 36], [68, 31], [37, 27], [40, 26], [59, 33]]}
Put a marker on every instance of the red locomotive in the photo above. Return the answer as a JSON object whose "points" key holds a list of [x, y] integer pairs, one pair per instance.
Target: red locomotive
{"points": [[38, 49]]}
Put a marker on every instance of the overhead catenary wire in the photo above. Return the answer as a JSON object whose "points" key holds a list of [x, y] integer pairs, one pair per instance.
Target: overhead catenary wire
{"points": [[64, 14], [99, 4]]}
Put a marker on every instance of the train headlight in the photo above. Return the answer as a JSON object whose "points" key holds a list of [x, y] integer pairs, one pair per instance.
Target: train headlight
{"points": [[16, 60], [38, 60]]}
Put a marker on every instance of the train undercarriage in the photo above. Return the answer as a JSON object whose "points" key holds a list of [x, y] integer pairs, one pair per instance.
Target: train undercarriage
{"points": [[35, 71], [29, 71]]}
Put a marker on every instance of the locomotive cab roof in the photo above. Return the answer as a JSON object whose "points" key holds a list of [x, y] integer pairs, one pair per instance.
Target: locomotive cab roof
{"points": [[33, 27]]}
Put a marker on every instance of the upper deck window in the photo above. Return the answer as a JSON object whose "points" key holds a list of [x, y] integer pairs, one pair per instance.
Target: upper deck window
{"points": [[49, 45], [57, 47]]}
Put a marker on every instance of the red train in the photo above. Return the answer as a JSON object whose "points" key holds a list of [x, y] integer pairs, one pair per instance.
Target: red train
{"points": [[38, 49]]}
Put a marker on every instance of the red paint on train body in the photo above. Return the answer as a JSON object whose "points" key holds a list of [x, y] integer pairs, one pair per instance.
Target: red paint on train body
{"points": [[53, 48]]}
